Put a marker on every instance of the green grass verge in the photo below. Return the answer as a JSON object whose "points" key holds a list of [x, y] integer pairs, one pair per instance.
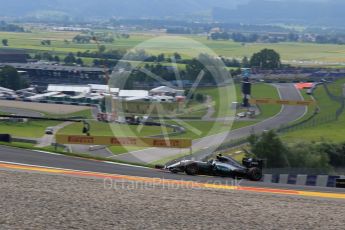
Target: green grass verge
{"points": [[119, 130], [331, 131], [116, 150], [337, 88], [222, 104], [222, 98], [324, 102], [32, 128], [19, 145], [266, 91], [107, 129], [86, 114], [36, 128]]}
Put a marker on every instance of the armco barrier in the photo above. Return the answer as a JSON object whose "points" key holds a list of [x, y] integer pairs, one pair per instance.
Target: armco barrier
{"points": [[301, 179], [23, 140]]}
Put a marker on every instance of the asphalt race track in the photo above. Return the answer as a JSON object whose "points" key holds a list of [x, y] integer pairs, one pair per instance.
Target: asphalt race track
{"points": [[287, 114], [287, 91], [21, 112], [15, 155]]}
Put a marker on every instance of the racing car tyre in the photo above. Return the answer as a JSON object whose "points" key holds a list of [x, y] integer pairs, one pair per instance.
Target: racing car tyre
{"points": [[254, 174], [174, 171], [192, 169]]}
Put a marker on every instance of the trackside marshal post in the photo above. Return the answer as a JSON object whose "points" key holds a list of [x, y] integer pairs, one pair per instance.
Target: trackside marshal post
{"points": [[123, 141]]}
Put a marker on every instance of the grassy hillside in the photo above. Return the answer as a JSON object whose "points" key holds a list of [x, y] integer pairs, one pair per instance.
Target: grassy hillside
{"points": [[105, 129], [331, 131], [31, 129]]}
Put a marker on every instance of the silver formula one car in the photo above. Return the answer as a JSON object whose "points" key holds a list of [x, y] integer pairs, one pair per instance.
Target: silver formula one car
{"points": [[222, 166]]}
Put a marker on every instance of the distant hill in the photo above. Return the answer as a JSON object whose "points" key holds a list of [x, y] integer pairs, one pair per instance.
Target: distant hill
{"points": [[110, 8], [322, 12], [312, 12]]}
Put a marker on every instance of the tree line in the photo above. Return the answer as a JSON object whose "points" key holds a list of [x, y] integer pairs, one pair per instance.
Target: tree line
{"points": [[101, 37], [265, 59], [9, 78], [69, 59], [190, 73], [323, 155], [275, 38], [254, 37], [10, 27]]}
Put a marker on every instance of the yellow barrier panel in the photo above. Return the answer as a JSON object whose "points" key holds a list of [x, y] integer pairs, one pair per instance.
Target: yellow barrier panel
{"points": [[123, 141], [281, 102]]}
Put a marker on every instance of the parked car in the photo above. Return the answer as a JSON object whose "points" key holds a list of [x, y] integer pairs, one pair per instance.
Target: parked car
{"points": [[49, 131]]}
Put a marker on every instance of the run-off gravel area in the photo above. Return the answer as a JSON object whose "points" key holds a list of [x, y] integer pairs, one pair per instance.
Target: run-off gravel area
{"points": [[42, 201]]}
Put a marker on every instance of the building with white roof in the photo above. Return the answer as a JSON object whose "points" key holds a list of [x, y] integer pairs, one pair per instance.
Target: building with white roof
{"points": [[114, 90], [97, 87], [5, 90], [42, 96], [103, 88], [69, 88], [132, 101]]}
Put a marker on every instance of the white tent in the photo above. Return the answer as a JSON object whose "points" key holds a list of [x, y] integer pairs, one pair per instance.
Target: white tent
{"points": [[133, 93], [163, 89], [166, 90]]}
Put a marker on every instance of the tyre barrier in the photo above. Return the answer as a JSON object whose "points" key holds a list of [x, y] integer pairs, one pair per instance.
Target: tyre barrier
{"points": [[5, 138], [302, 179]]}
